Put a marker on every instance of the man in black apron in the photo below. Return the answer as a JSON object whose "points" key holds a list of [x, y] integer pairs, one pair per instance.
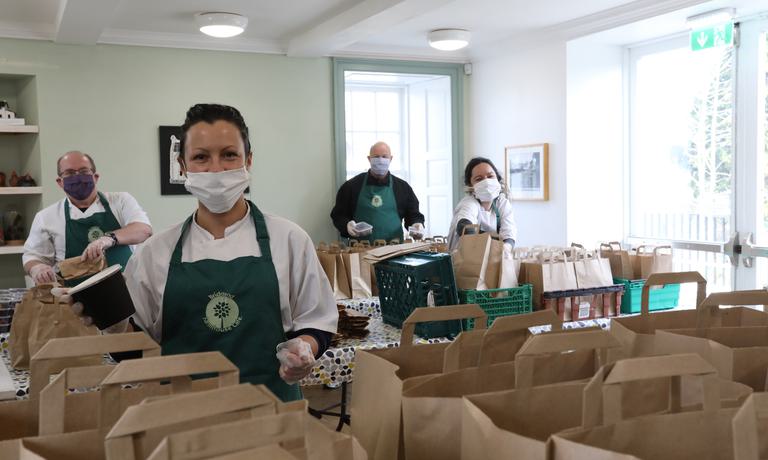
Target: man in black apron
{"points": [[87, 223], [378, 198]]}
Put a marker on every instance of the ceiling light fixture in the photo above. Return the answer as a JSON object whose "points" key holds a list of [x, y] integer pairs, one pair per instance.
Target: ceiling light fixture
{"points": [[449, 39], [221, 25], [711, 18]]}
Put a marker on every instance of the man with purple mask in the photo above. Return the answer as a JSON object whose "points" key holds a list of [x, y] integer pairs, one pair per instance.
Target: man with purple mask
{"points": [[87, 223]]}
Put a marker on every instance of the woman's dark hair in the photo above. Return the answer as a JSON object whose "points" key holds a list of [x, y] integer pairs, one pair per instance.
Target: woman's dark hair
{"points": [[474, 162], [210, 113]]}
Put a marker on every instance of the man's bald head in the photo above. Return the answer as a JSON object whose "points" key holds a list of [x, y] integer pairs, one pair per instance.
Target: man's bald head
{"points": [[380, 149], [74, 160]]}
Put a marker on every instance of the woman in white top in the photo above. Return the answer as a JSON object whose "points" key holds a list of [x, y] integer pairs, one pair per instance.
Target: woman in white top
{"points": [[484, 205]]}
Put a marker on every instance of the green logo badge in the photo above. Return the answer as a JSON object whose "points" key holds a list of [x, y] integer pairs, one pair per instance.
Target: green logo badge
{"points": [[94, 233], [376, 201], [222, 313]]}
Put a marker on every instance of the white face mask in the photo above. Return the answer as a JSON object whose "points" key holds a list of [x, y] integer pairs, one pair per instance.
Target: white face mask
{"points": [[218, 191], [487, 189]]}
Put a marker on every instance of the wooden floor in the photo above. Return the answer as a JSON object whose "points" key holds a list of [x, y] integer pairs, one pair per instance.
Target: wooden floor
{"points": [[320, 397]]}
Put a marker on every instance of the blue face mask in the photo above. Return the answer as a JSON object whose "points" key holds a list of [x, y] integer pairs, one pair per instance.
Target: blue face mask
{"points": [[79, 186], [380, 166]]}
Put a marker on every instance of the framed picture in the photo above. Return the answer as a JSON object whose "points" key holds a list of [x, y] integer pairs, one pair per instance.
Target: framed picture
{"points": [[526, 171], [171, 179]]}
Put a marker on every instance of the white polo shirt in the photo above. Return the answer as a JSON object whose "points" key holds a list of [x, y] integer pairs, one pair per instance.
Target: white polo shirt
{"points": [[471, 209], [47, 236], [306, 298]]}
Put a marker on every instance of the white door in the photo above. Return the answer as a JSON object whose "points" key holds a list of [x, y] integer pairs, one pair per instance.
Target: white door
{"points": [[430, 145]]}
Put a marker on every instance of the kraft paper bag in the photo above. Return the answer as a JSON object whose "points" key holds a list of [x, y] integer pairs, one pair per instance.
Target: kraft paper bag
{"points": [[592, 271], [549, 272], [38, 318], [76, 267], [508, 269], [19, 418], [608, 433], [649, 260], [619, 259], [738, 353], [292, 429], [358, 272], [547, 358], [471, 260], [637, 333], [333, 265], [382, 375]]}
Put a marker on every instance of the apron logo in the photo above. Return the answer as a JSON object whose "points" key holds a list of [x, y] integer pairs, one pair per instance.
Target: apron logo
{"points": [[94, 233], [222, 313], [376, 201]]}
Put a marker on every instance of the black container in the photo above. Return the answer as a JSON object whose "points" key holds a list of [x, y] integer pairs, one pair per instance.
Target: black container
{"points": [[105, 297]]}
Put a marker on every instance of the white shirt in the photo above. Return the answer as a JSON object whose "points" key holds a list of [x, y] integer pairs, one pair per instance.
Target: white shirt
{"points": [[471, 209], [306, 298], [47, 237]]}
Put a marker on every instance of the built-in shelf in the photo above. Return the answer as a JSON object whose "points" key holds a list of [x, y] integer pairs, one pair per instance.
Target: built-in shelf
{"points": [[4, 250], [18, 129], [21, 190]]}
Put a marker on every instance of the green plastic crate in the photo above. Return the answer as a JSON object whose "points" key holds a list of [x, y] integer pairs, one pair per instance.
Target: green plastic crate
{"points": [[662, 298], [404, 283], [498, 302]]}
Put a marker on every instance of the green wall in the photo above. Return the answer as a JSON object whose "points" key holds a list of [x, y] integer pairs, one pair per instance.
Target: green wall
{"points": [[109, 100]]}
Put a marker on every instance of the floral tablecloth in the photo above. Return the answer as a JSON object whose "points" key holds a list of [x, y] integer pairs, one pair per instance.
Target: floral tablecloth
{"points": [[337, 363]]}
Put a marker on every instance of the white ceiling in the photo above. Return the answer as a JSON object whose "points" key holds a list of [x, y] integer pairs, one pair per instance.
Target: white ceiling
{"points": [[376, 28]]}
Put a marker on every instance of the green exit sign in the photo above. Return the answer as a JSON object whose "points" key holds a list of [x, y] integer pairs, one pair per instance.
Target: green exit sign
{"points": [[712, 37]]}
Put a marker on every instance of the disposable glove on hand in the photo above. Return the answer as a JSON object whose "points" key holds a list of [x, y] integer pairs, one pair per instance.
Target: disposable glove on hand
{"points": [[42, 273], [96, 249], [77, 308], [296, 360], [416, 231], [351, 229]]}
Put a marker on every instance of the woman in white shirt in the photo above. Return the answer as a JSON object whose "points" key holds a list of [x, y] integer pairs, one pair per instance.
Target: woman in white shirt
{"points": [[484, 205], [230, 278]]}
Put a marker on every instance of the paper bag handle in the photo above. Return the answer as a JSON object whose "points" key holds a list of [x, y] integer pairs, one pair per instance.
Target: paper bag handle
{"points": [[379, 243], [647, 368], [504, 325], [475, 226], [745, 428], [53, 396], [709, 307], [558, 342], [662, 279], [50, 359], [176, 368], [447, 313]]}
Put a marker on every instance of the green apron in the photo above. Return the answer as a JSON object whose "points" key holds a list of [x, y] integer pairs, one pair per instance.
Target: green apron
{"points": [[228, 306], [376, 205], [498, 215], [81, 232]]}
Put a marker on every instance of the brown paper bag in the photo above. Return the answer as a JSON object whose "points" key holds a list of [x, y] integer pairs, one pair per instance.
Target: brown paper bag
{"points": [[637, 333], [76, 267], [607, 434], [380, 377], [549, 272], [142, 427], [333, 265], [438, 397], [592, 271], [738, 353], [38, 318], [508, 269], [19, 418], [619, 260], [648, 262], [358, 272], [471, 260], [300, 436]]}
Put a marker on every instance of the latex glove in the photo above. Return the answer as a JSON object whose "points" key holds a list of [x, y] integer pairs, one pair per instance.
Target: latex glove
{"points": [[416, 231], [77, 308], [96, 249], [296, 360], [351, 229], [42, 273]]}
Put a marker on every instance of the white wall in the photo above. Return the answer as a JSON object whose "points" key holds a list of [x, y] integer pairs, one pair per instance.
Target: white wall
{"points": [[519, 98], [594, 138]]}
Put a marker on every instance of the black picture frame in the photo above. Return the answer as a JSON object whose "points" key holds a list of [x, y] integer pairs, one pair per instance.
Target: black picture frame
{"points": [[166, 187]]}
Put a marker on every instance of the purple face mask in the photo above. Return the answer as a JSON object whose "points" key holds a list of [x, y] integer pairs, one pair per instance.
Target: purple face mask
{"points": [[79, 186]]}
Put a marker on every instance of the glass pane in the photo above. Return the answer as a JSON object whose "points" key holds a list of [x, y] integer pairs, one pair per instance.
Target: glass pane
{"points": [[363, 110], [388, 111], [681, 160], [762, 235]]}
